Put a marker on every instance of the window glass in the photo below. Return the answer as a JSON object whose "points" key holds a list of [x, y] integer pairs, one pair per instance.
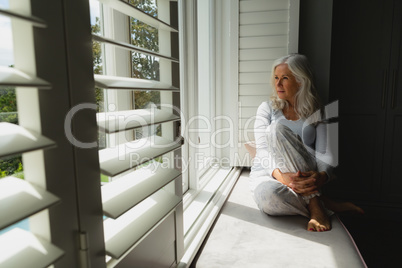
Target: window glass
{"points": [[97, 56], [144, 36], [24, 225], [8, 101], [8, 105], [11, 166], [205, 148], [145, 66], [147, 6]]}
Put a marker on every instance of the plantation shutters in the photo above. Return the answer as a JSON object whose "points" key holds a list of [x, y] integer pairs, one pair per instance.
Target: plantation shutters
{"points": [[144, 186], [24, 198], [266, 32]]}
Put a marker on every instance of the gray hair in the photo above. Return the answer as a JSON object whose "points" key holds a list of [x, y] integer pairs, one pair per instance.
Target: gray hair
{"points": [[307, 100]]}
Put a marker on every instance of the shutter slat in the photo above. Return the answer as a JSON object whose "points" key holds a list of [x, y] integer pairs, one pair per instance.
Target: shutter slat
{"points": [[115, 82], [125, 8], [116, 160], [247, 123], [262, 54], [15, 139], [30, 19], [132, 47], [20, 199], [247, 112], [124, 193], [263, 41], [124, 120], [10, 77], [263, 5], [264, 29], [281, 16], [20, 248], [254, 78], [255, 66], [255, 89], [252, 101], [124, 232]]}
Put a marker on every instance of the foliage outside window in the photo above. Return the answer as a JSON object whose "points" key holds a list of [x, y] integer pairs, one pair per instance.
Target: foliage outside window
{"points": [[145, 66], [98, 65], [8, 113], [98, 69]]}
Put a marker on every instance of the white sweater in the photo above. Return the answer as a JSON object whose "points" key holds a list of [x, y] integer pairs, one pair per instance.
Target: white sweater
{"points": [[314, 137]]}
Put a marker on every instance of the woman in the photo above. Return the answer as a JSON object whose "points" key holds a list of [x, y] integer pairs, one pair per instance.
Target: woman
{"points": [[288, 169]]}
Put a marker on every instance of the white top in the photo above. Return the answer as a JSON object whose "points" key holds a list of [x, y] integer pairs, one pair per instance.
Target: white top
{"points": [[314, 137]]}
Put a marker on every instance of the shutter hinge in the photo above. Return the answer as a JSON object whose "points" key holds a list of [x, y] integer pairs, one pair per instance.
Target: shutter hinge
{"points": [[84, 256]]}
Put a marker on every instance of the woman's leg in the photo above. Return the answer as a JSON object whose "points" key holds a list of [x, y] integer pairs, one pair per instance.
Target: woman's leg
{"points": [[289, 148], [341, 206], [319, 220], [276, 199], [288, 152]]}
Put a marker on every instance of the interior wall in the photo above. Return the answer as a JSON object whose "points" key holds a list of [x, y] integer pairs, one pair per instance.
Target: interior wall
{"points": [[264, 36], [315, 32]]}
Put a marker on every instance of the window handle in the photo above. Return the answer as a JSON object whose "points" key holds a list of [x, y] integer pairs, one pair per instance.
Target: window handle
{"points": [[393, 88], [384, 88]]}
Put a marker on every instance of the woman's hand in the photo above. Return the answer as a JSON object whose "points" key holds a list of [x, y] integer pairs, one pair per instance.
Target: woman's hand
{"points": [[284, 178], [319, 177], [304, 183], [309, 182]]}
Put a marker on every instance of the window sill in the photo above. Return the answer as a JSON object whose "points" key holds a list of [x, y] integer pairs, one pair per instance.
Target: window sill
{"points": [[201, 209]]}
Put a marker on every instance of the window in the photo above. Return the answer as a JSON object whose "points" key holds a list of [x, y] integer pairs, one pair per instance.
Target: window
{"points": [[209, 128], [139, 90], [102, 110], [8, 99], [24, 199], [205, 93]]}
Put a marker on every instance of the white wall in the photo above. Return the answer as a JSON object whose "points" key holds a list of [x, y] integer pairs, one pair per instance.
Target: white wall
{"points": [[268, 29]]}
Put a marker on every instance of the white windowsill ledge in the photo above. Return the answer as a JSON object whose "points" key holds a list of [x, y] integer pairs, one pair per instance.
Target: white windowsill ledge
{"points": [[203, 209]]}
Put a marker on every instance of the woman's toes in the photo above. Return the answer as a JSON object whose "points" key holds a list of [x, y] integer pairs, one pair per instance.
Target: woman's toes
{"points": [[315, 226]]}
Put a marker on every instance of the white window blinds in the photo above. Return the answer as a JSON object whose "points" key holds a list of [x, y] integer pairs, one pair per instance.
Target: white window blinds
{"points": [[142, 143], [26, 197]]}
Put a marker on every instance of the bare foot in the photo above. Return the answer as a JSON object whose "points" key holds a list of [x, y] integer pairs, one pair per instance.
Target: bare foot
{"points": [[341, 206], [319, 221]]}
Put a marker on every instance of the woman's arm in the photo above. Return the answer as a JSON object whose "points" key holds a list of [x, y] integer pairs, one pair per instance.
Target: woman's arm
{"points": [[262, 121], [301, 182]]}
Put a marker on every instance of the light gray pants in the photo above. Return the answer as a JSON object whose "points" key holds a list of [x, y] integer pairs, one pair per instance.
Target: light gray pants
{"points": [[289, 155]]}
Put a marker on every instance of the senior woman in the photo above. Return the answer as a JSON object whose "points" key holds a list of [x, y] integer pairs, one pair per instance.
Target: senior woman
{"points": [[288, 170]]}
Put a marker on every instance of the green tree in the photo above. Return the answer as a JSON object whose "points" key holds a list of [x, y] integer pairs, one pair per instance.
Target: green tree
{"points": [[96, 48], [97, 63], [8, 106], [145, 66], [8, 113], [11, 166]]}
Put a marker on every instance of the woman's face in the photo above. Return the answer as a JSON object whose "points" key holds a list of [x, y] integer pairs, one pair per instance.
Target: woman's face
{"points": [[285, 83]]}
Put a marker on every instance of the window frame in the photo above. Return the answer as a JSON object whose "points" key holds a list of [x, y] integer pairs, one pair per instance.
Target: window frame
{"points": [[204, 198], [73, 173], [112, 25]]}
